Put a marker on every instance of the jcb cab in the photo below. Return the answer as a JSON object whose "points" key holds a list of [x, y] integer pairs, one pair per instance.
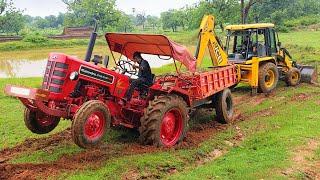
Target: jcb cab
{"points": [[257, 50]]}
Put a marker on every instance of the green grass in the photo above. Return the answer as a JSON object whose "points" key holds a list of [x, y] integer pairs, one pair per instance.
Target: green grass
{"points": [[22, 45], [47, 155], [317, 154], [268, 142], [12, 126], [266, 151]]}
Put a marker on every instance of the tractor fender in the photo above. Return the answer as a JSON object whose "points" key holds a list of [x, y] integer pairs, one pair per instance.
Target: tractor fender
{"points": [[173, 90], [266, 60]]}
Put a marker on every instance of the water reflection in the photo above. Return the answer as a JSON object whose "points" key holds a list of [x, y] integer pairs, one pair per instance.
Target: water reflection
{"points": [[22, 68], [35, 68]]}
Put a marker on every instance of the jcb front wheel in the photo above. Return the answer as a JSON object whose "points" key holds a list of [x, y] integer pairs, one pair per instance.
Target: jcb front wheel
{"points": [[293, 77], [268, 77], [90, 124], [38, 122], [164, 122], [224, 106]]}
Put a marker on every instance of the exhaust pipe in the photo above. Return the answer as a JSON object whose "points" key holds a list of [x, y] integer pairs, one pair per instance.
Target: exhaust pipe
{"points": [[92, 41]]}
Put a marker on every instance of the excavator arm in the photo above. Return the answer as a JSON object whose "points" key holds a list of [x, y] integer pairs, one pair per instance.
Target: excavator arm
{"points": [[208, 39]]}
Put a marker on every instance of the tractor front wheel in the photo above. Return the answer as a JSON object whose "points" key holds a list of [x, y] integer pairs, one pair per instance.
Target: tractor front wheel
{"points": [[224, 106], [164, 122], [38, 122], [90, 124], [293, 77], [268, 77]]}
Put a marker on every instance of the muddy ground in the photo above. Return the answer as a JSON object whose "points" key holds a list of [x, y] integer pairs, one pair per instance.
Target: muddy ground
{"points": [[94, 158]]}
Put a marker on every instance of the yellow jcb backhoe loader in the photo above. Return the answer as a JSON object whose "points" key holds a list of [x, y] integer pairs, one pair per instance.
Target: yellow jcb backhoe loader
{"points": [[256, 49]]}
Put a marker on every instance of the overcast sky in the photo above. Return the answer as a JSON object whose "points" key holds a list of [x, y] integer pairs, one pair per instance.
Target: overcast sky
{"points": [[53, 7]]}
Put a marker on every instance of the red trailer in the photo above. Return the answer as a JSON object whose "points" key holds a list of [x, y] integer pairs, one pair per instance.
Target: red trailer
{"points": [[91, 96]]}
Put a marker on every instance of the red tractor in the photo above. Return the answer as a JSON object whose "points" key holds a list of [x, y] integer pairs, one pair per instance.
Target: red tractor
{"points": [[91, 95]]}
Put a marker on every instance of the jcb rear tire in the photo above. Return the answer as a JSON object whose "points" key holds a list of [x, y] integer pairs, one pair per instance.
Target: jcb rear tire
{"points": [[39, 123], [224, 106], [293, 77], [268, 77], [90, 124], [164, 122]]}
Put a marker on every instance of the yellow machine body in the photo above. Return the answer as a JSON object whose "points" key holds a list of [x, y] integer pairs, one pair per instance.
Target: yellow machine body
{"points": [[272, 64]]}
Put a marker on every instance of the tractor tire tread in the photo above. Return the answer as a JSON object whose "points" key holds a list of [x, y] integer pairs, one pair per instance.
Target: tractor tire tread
{"points": [[288, 77], [221, 112], [261, 77], [31, 123], [79, 120], [151, 120]]}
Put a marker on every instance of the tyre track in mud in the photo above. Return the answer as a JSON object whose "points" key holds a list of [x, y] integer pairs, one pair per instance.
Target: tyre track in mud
{"points": [[94, 158]]}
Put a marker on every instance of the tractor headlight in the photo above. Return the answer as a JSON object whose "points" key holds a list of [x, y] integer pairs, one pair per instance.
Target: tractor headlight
{"points": [[74, 75]]}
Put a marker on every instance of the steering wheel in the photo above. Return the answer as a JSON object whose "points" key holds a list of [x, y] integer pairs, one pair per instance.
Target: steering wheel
{"points": [[122, 66]]}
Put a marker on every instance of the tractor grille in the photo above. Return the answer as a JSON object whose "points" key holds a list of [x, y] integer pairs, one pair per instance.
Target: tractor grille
{"points": [[54, 76]]}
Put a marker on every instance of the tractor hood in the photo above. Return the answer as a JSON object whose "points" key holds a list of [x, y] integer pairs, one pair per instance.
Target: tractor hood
{"points": [[128, 44]]}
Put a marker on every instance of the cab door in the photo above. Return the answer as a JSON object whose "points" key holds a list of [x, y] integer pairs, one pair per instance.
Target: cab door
{"points": [[271, 42]]}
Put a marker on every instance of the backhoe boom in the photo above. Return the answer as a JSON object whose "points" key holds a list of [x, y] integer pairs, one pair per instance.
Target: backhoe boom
{"points": [[208, 38]]}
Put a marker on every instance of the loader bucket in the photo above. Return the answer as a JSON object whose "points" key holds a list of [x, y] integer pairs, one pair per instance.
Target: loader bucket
{"points": [[309, 74]]}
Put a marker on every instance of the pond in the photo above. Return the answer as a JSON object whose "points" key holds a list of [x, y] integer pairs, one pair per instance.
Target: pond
{"points": [[35, 68]]}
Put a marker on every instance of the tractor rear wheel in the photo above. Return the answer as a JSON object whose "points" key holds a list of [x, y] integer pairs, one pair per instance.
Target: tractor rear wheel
{"points": [[38, 122], [293, 77], [224, 106], [90, 124], [268, 77], [164, 122]]}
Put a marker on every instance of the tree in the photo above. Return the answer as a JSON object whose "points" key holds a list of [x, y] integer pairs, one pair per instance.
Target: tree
{"points": [[125, 24], [11, 18], [245, 8], [153, 21], [141, 19], [170, 19], [82, 13]]}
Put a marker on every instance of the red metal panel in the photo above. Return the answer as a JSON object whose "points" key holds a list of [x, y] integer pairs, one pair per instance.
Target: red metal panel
{"points": [[216, 80]]}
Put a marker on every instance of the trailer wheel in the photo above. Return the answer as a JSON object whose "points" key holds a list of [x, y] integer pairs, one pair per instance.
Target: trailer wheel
{"points": [[268, 77], [164, 122], [224, 106], [293, 77], [90, 124], [38, 122]]}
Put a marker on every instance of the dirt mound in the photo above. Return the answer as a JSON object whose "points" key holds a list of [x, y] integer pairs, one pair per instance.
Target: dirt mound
{"points": [[34, 144], [300, 97], [302, 164]]}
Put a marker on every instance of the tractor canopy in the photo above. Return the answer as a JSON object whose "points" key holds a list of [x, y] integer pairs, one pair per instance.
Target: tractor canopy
{"points": [[128, 44]]}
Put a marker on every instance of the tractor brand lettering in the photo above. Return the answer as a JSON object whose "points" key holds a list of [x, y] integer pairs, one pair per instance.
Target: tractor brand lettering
{"points": [[86, 71], [217, 52]]}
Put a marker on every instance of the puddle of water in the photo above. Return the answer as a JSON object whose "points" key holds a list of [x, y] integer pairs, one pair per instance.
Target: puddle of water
{"points": [[35, 68], [22, 68]]}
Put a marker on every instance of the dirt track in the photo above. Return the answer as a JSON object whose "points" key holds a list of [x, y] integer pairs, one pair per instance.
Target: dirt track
{"points": [[95, 157]]}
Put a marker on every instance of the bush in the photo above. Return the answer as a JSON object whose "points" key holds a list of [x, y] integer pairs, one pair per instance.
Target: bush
{"points": [[303, 21], [35, 38], [282, 28]]}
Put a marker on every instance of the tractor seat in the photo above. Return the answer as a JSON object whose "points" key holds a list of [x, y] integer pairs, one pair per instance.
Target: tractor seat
{"points": [[261, 50], [153, 76]]}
